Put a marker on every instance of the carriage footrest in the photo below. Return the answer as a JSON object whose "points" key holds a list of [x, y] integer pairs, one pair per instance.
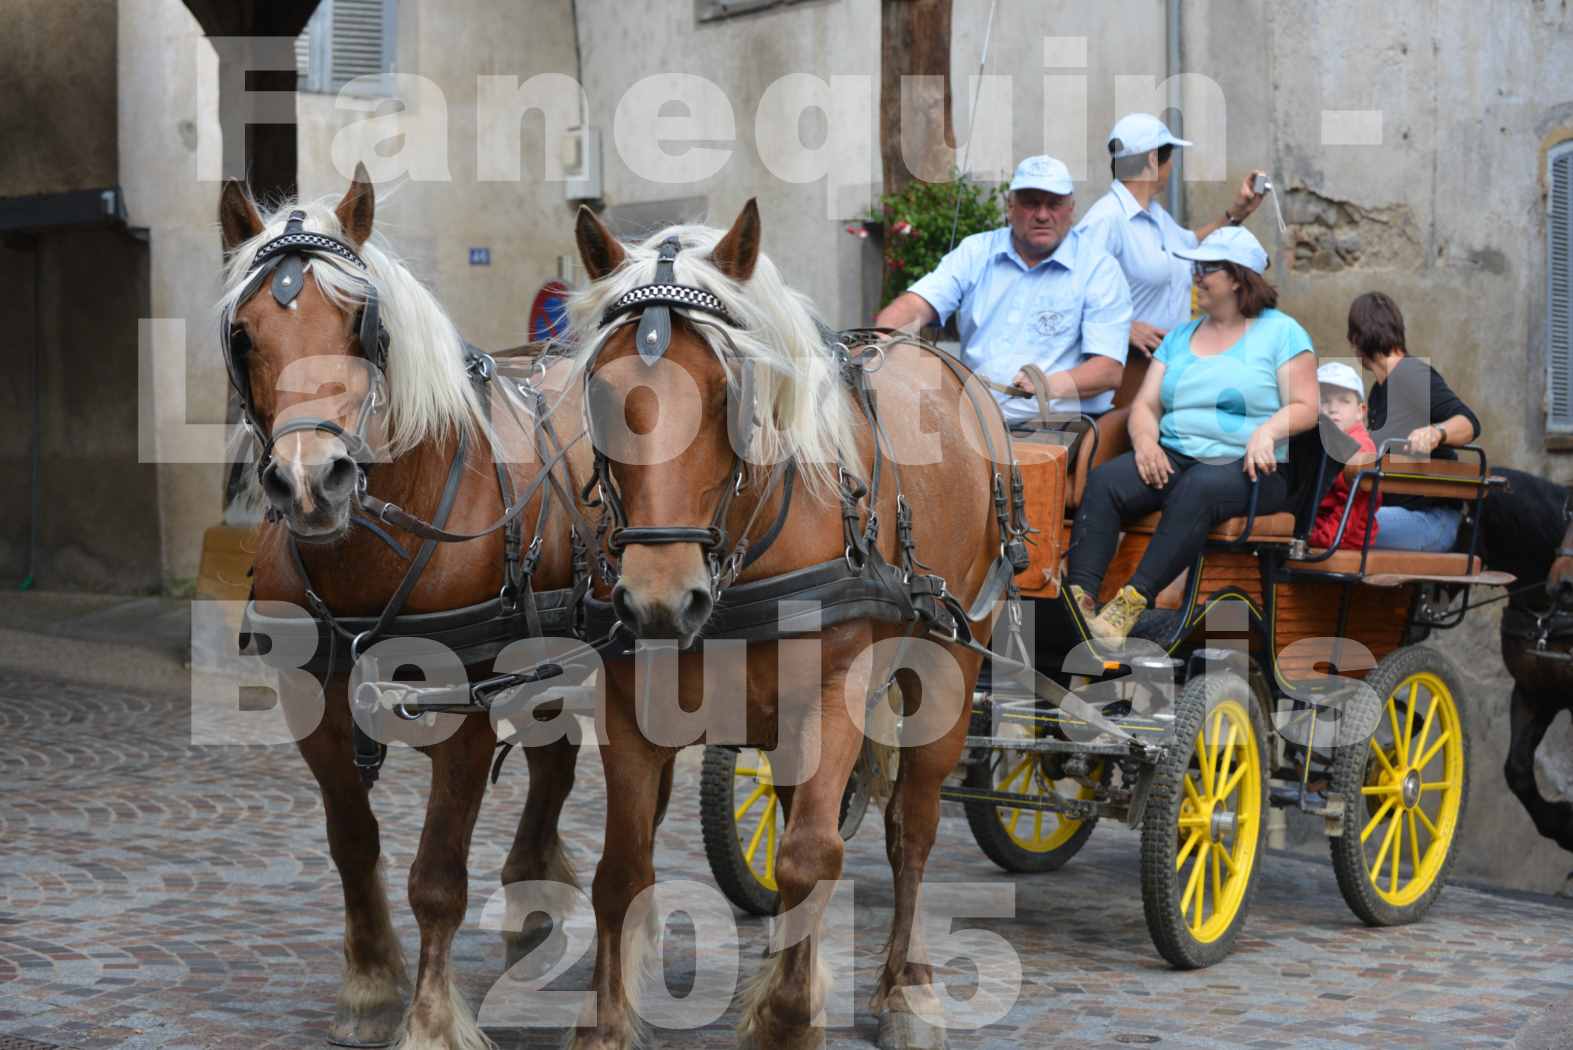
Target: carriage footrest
{"points": [[1075, 808]]}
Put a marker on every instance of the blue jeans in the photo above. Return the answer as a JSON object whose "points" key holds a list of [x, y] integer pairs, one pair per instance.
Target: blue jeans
{"points": [[1416, 528]]}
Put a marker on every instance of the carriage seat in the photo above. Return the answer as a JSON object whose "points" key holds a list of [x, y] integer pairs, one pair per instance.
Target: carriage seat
{"points": [[1267, 528], [1393, 568]]}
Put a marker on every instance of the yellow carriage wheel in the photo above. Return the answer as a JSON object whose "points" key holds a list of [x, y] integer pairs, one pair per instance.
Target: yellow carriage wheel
{"points": [[742, 823], [1026, 841], [1202, 833], [1404, 791]]}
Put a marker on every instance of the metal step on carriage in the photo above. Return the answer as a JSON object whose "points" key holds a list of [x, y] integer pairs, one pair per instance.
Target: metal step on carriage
{"points": [[1272, 674]]}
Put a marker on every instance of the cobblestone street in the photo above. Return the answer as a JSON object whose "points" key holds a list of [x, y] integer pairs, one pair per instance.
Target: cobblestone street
{"points": [[155, 894]]}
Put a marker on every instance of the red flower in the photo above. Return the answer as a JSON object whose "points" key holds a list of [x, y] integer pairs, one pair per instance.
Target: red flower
{"points": [[902, 229]]}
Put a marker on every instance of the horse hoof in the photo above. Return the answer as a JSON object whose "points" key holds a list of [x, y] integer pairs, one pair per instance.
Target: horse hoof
{"points": [[374, 1028], [901, 1030]]}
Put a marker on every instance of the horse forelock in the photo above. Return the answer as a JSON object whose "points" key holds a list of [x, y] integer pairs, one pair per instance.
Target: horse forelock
{"points": [[798, 385], [430, 397]]}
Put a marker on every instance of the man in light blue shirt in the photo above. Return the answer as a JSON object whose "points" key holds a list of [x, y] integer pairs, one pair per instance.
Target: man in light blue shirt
{"points": [[1033, 292], [1130, 224]]}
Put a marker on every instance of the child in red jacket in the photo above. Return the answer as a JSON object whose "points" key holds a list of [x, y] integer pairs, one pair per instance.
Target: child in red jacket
{"points": [[1343, 401]]}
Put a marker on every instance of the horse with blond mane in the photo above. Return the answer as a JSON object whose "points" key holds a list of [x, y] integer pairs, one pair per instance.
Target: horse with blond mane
{"points": [[383, 536], [742, 466]]}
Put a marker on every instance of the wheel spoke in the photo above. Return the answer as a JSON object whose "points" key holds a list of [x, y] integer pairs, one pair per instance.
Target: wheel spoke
{"points": [[1016, 771], [1185, 850], [745, 772], [1398, 735], [1037, 826], [1190, 885], [1234, 781], [1381, 756], [1380, 789], [766, 823], [1015, 818], [1440, 785], [1201, 762], [1228, 860], [1426, 820], [1381, 854], [1201, 888], [1217, 881], [1414, 847], [1398, 839], [1425, 729], [1436, 746], [755, 796], [1222, 776], [1191, 792], [1409, 719], [1216, 754], [1371, 826]]}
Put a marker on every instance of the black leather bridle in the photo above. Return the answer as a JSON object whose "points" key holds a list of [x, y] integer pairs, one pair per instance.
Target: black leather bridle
{"points": [[653, 303], [285, 257]]}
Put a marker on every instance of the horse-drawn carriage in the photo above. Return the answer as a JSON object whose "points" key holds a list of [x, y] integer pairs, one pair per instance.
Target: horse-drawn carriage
{"points": [[1271, 674], [1214, 712]]}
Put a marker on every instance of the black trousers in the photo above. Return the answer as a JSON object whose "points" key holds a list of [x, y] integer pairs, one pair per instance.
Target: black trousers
{"points": [[1196, 497]]}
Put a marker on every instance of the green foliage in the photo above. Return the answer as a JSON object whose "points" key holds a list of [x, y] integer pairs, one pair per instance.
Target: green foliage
{"points": [[918, 223]]}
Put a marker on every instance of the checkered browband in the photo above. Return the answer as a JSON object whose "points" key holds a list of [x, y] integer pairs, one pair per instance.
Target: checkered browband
{"points": [[307, 242], [679, 295]]}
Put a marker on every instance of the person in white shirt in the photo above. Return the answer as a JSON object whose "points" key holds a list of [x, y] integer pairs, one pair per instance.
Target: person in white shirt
{"points": [[1130, 224]]}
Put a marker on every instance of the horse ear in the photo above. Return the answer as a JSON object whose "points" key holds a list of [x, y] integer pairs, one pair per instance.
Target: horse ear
{"points": [[601, 252], [237, 215], [356, 210], [738, 251]]}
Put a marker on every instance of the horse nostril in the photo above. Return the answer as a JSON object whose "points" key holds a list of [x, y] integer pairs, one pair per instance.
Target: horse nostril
{"points": [[696, 609], [338, 480], [624, 608], [276, 489]]}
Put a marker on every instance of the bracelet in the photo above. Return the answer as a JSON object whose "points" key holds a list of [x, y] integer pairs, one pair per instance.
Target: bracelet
{"points": [[1230, 219]]}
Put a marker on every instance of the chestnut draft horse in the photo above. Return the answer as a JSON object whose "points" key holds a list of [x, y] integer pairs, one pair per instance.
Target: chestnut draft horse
{"points": [[309, 292], [672, 413]]}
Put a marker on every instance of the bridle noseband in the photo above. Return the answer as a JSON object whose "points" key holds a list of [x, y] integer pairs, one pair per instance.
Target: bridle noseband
{"points": [[653, 303], [285, 257]]}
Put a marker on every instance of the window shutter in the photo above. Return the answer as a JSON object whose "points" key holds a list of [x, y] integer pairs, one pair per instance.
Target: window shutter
{"points": [[1559, 293], [360, 40]]}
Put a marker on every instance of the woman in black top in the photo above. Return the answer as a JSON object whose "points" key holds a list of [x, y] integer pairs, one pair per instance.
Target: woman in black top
{"points": [[1410, 400]]}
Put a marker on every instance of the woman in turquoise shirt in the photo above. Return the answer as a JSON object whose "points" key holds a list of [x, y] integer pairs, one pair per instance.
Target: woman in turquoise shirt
{"points": [[1212, 420]]}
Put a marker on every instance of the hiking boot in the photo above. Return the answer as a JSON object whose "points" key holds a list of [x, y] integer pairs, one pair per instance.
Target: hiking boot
{"points": [[1118, 617], [1085, 603]]}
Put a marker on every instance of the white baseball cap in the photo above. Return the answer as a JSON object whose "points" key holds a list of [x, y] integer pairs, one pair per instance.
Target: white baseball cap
{"points": [[1234, 244], [1138, 133], [1043, 173], [1336, 373]]}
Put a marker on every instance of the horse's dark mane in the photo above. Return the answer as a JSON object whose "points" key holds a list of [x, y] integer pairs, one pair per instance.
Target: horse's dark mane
{"points": [[1521, 526]]}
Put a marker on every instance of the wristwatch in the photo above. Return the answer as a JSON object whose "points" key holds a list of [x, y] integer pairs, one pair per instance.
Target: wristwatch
{"points": [[1441, 434], [1231, 220]]}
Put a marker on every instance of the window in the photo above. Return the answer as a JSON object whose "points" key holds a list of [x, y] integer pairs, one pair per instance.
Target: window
{"points": [[714, 10], [345, 39], [1559, 289]]}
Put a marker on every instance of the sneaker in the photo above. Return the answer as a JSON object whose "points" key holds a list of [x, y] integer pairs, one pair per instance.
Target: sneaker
{"points": [[1118, 617], [1085, 603]]}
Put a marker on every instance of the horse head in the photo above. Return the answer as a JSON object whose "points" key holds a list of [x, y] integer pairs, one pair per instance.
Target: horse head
{"points": [[305, 356], [666, 457]]}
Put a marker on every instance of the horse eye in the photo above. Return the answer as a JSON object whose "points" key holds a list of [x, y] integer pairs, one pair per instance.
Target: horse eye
{"points": [[238, 339]]}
